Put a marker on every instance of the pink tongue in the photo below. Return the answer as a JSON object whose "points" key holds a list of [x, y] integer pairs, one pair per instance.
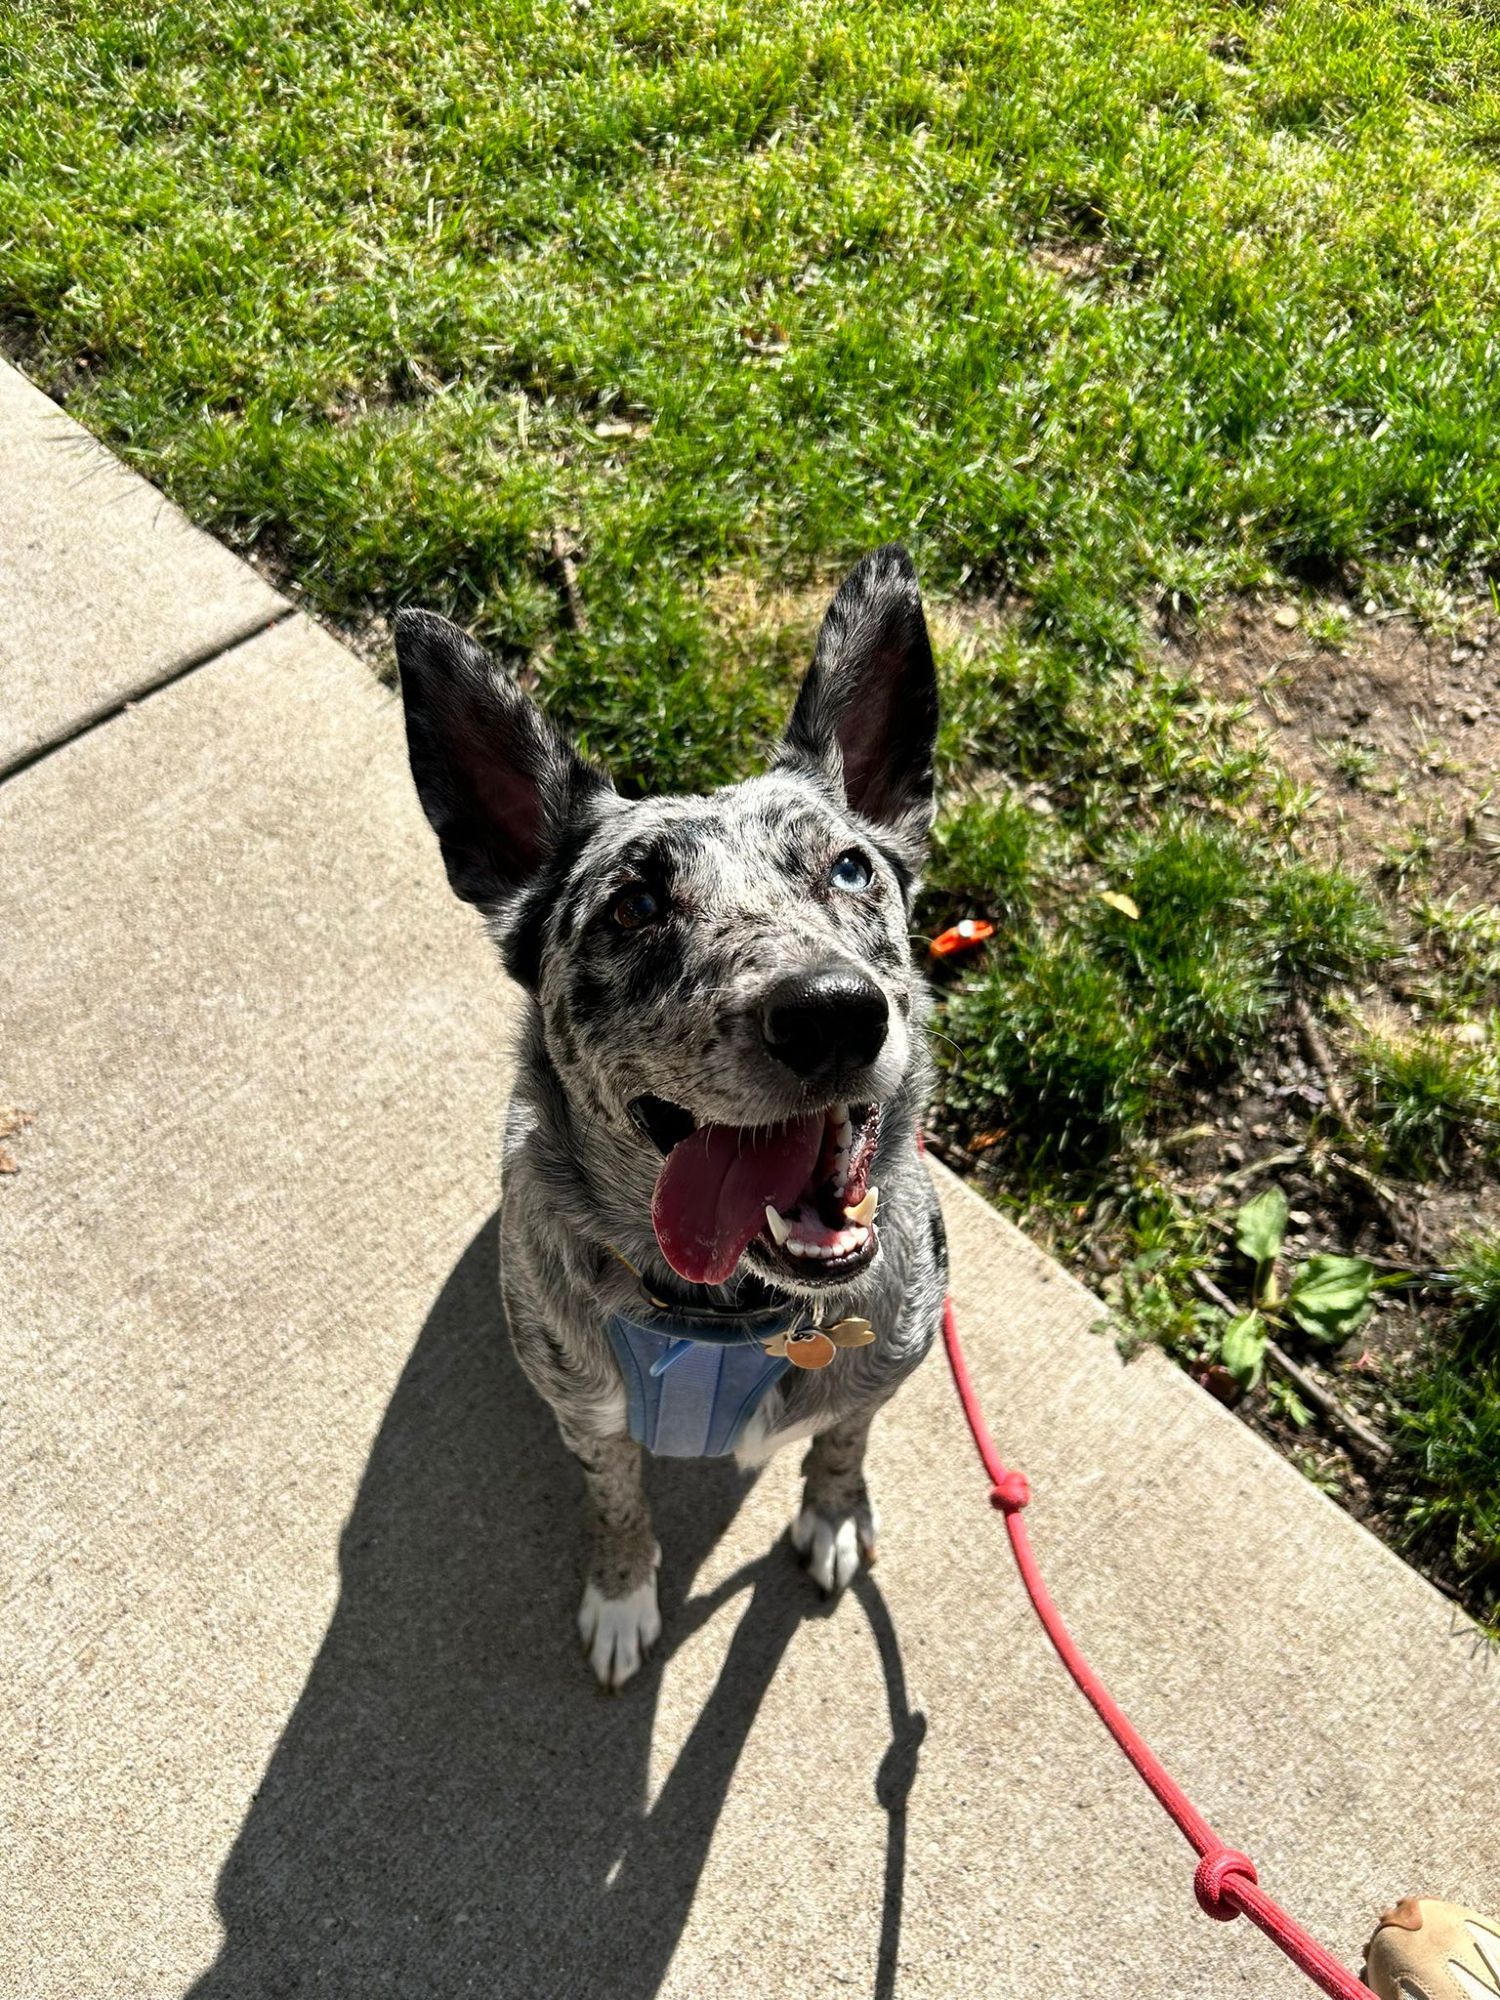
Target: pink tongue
{"points": [[712, 1191]]}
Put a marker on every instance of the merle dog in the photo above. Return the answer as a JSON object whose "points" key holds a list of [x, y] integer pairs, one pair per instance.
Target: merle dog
{"points": [[722, 1067]]}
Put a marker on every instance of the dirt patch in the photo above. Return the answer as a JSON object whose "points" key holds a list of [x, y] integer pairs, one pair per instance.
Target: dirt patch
{"points": [[1396, 728]]}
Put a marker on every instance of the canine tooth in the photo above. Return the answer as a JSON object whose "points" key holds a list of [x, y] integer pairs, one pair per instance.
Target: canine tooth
{"points": [[863, 1212], [777, 1223]]}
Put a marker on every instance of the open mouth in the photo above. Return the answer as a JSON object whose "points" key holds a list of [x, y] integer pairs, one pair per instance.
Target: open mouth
{"points": [[798, 1192]]}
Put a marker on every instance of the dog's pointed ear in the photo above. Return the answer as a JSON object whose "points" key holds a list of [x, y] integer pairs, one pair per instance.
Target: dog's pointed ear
{"points": [[497, 780], [867, 713]]}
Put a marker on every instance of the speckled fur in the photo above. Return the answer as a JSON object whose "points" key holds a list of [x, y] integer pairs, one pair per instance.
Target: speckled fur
{"points": [[542, 844]]}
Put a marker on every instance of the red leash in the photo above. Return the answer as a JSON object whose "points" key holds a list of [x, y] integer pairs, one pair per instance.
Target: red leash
{"points": [[1225, 1883]]}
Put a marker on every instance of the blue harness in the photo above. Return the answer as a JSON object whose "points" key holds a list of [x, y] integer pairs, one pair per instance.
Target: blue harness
{"points": [[692, 1385]]}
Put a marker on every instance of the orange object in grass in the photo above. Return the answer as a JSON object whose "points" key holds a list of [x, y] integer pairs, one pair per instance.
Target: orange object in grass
{"points": [[959, 938]]}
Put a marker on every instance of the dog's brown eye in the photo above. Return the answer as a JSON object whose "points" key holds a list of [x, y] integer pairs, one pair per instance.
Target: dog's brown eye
{"points": [[635, 907]]}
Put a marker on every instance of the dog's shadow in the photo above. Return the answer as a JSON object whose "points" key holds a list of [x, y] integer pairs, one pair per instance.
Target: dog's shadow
{"points": [[452, 1808]]}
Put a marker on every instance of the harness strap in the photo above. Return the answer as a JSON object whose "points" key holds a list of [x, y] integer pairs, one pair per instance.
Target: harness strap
{"points": [[690, 1397]]}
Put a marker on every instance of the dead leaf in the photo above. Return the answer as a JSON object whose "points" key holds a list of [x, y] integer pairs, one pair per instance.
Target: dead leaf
{"points": [[9, 1164], [13, 1119], [981, 1142], [1118, 900], [765, 339]]}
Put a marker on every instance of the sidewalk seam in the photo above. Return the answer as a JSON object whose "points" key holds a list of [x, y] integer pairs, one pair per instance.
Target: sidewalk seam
{"points": [[107, 711]]}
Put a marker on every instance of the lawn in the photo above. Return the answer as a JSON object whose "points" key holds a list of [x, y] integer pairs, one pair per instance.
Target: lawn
{"points": [[1118, 315]]}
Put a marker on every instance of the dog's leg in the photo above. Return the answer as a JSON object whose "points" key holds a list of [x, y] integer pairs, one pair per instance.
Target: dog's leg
{"points": [[837, 1524], [618, 1620]]}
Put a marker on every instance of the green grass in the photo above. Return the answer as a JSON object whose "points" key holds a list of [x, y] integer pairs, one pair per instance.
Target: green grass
{"points": [[1108, 304], [1452, 1432], [1086, 1018], [987, 856], [1431, 1099], [1049, 1049], [1466, 942]]}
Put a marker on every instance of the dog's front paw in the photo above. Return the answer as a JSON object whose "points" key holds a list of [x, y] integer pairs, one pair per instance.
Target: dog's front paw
{"points": [[619, 1632], [832, 1546]]}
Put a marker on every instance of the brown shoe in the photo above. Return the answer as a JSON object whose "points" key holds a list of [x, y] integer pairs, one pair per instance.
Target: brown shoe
{"points": [[1426, 1950]]}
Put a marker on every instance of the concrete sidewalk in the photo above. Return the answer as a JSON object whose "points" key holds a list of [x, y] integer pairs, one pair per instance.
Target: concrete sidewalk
{"points": [[295, 1705], [107, 590]]}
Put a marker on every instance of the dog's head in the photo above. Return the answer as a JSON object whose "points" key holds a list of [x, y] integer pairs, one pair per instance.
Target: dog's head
{"points": [[725, 980]]}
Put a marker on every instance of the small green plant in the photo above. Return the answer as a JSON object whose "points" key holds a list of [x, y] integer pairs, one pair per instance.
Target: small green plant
{"points": [[1285, 1402], [1355, 763], [1476, 1294], [1327, 1297], [1411, 854], [1329, 627], [1430, 1097], [1321, 923], [1466, 943]]}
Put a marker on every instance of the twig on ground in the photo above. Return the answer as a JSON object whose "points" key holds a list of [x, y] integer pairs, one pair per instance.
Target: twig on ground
{"points": [[564, 554], [1317, 1052], [1420, 1274], [1402, 1216], [1286, 1158], [1358, 1433]]}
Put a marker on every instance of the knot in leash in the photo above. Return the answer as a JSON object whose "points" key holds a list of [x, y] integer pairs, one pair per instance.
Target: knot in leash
{"points": [[1212, 1877], [1010, 1492]]}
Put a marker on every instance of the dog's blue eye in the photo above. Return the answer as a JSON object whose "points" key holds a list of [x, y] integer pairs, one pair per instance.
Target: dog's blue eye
{"points": [[851, 871], [635, 907]]}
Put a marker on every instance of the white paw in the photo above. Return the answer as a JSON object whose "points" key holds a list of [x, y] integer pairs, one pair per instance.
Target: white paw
{"points": [[618, 1632], [832, 1549]]}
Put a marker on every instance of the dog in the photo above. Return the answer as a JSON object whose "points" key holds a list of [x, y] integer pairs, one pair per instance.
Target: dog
{"points": [[717, 1231]]}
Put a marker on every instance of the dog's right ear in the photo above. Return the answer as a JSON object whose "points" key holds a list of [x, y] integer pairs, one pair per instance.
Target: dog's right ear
{"points": [[497, 780]]}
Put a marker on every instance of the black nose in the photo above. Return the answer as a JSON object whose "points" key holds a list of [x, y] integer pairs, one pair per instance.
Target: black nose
{"points": [[825, 1025]]}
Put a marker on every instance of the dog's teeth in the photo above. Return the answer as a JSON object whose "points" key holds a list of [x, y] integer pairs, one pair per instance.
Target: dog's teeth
{"points": [[863, 1212], [778, 1225]]}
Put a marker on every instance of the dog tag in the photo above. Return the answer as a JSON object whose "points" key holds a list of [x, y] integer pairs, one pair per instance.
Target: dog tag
{"points": [[852, 1333], [810, 1350]]}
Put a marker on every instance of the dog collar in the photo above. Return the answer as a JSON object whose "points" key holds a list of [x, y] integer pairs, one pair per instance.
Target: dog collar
{"points": [[792, 1327]]}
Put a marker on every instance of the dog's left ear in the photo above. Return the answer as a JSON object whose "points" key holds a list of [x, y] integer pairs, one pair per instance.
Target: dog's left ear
{"points": [[867, 713]]}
